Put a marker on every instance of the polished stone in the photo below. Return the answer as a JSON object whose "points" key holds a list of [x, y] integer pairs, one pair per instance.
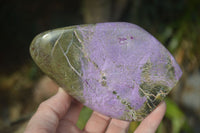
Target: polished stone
{"points": [[117, 69]]}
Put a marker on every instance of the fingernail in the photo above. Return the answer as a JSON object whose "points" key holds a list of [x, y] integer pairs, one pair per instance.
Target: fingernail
{"points": [[60, 90]]}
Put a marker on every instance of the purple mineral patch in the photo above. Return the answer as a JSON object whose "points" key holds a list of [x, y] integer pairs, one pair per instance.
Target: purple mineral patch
{"points": [[117, 69]]}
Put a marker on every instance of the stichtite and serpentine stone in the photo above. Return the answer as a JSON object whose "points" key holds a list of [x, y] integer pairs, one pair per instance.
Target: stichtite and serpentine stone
{"points": [[117, 69]]}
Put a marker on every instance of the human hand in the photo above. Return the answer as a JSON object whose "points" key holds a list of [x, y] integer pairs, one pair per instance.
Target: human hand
{"points": [[60, 113]]}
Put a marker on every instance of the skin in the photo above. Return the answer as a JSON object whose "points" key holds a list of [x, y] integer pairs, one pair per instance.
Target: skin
{"points": [[59, 114]]}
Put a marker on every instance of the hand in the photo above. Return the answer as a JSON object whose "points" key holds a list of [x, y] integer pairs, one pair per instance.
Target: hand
{"points": [[59, 114]]}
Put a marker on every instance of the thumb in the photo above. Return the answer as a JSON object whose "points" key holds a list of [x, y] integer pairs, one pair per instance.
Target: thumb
{"points": [[48, 114]]}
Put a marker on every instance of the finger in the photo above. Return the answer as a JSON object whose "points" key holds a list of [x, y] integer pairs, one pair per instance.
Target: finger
{"points": [[67, 127], [117, 126], [97, 123], [74, 111], [152, 121], [47, 117], [68, 123]]}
